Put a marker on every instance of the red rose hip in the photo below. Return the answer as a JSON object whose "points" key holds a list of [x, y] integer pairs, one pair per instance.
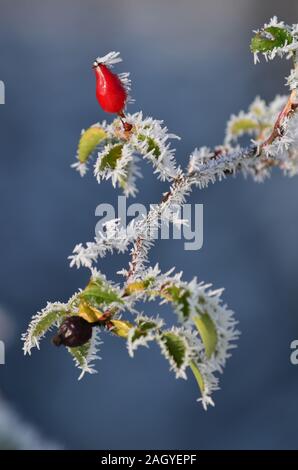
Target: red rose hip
{"points": [[112, 89]]}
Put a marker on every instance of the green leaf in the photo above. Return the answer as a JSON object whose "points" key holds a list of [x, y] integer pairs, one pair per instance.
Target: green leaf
{"points": [[47, 321], [198, 376], [175, 348], [80, 354], [89, 140], [152, 145], [109, 159], [85, 355], [269, 38], [41, 323], [100, 292], [145, 330], [208, 333]]}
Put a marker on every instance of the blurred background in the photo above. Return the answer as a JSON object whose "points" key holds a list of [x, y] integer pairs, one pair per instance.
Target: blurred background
{"points": [[191, 66]]}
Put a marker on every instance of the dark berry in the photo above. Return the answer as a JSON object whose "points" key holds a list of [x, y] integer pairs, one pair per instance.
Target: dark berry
{"points": [[74, 331]]}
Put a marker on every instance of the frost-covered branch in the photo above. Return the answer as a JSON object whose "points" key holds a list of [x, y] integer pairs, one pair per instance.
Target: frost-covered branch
{"points": [[256, 141]]}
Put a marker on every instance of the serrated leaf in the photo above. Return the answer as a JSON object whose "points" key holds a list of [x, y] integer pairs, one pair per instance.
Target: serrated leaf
{"points": [[198, 376], [269, 38], [143, 328], [47, 321], [85, 355], [207, 331], [41, 323], [175, 348], [89, 140], [140, 335], [110, 158], [100, 292], [132, 287], [152, 145]]}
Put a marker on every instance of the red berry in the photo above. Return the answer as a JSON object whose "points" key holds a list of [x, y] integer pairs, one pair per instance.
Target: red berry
{"points": [[110, 91]]}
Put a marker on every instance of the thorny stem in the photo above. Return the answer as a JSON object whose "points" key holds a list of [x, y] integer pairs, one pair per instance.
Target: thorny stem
{"points": [[134, 256], [126, 125], [277, 131], [138, 245]]}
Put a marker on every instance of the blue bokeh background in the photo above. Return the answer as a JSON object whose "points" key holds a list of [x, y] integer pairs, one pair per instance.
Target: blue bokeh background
{"points": [[191, 66]]}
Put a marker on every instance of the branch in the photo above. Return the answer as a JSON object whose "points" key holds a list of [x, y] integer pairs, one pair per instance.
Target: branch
{"points": [[207, 330], [222, 162]]}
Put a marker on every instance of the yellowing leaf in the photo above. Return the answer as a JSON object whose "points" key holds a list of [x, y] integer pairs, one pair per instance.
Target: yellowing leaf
{"points": [[121, 328], [89, 140], [136, 286], [89, 313]]}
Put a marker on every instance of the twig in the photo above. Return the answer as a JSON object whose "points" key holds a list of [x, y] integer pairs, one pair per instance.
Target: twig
{"points": [[193, 177]]}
